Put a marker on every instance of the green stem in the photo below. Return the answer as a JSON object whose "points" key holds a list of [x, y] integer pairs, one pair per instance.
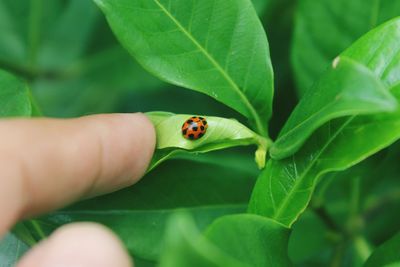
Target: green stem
{"points": [[34, 31]]}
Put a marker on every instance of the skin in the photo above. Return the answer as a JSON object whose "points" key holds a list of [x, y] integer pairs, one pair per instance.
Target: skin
{"points": [[48, 163]]}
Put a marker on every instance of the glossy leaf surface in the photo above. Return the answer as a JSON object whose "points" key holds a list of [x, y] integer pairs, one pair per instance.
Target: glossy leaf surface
{"points": [[371, 67], [349, 88], [285, 187], [217, 47]]}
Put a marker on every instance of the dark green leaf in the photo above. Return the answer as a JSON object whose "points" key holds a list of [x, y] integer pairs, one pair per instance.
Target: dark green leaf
{"points": [[325, 28], [14, 96], [217, 47], [38, 36], [388, 254], [221, 133], [260, 6], [253, 240]]}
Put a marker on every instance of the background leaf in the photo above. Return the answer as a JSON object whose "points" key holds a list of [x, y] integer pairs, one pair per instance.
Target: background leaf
{"points": [[387, 254], [325, 28], [34, 33], [188, 47]]}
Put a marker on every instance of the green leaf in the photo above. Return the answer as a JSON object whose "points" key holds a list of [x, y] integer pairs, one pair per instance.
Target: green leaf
{"points": [[11, 249], [221, 133], [285, 187], [39, 36], [356, 85], [325, 28], [388, 254], [138, 214], [14, 96], [217, 47], [185, 246], [348, 88], [253, 240], [260, 6]]}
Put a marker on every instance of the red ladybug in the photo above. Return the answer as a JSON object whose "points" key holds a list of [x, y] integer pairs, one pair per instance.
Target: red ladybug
{"points": [[194, 128]]}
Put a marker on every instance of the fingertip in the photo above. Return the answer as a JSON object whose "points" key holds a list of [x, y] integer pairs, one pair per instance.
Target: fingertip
{"points": [[129, 144], [79, 244]]}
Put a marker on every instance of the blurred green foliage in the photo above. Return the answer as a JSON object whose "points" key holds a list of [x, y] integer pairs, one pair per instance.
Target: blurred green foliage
{"points": [[66, 52]]}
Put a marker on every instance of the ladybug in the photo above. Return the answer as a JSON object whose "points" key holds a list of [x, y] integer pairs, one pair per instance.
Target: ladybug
{"points": [[194, 128]]}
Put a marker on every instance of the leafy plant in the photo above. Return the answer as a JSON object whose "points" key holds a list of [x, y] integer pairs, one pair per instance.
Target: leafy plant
{"points": [[325, 172]]}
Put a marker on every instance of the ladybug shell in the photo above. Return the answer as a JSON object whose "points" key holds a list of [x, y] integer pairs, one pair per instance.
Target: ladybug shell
{"points": [[194, 128]]}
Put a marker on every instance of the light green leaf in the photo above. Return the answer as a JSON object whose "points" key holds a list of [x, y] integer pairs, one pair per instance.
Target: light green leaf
{"points": [[348, 88], [221, 133], [217, 47], [285, 187], [253, 240], [360, 77], [14, 96], [325, 28], [388, 254]]}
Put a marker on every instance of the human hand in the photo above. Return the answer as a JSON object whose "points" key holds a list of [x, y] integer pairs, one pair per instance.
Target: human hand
{"points": [[47, 163]]}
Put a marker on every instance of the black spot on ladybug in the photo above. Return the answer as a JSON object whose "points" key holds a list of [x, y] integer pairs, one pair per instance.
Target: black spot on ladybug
{"points": [[202, 128], [205, 122], [195, 128], [200, 135], [184, 131], [191, 136], [189, 121], [201, 118]]}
